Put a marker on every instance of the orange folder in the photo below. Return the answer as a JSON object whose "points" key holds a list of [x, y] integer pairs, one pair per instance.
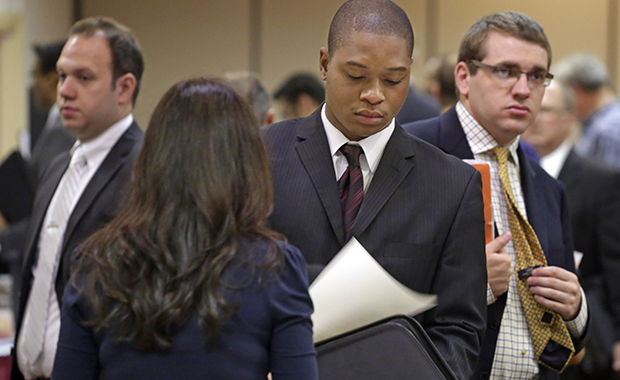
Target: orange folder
{"points": [[485, 172]]}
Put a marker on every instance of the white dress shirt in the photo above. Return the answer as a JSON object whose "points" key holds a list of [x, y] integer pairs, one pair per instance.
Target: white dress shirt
{"points": [[373, 147], [554, 161]]}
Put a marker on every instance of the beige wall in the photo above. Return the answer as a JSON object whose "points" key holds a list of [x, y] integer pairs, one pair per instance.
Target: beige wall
{"points": [[26, 23], [180, 39], [569, 25], [46, 21], [186, 38], [12, 82]]}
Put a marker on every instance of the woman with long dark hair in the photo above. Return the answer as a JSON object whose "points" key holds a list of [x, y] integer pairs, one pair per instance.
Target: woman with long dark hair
{"points": [[187, 282]]}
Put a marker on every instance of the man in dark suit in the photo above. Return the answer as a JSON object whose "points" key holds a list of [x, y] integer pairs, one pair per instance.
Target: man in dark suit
{"points": [[501, 77], [99, 75], [418, 212], [53, 138], [594, 201], [47, 140]]}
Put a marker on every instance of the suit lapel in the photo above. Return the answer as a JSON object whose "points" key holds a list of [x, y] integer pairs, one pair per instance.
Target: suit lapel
{"points": [[313, 151], [571, 171], [110, 165], [451, 136], [392, 169]]}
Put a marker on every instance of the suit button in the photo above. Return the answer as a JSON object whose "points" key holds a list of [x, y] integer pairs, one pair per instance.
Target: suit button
{"points": [[494, 324], [484, 376]]}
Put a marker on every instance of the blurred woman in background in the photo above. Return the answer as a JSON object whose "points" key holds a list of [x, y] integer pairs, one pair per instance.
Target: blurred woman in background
{"points": [[187, 282]]}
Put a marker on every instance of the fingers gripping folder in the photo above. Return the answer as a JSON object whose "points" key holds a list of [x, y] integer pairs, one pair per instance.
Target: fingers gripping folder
{"points": [[393, 348]]}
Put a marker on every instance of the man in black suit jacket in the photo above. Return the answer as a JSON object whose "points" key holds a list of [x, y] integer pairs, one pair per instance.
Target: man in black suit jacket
{"points": [[421, 215], [594, 201], [99, 74], [501, 76]]}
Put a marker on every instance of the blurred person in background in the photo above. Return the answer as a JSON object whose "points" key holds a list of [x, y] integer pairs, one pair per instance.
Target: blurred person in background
{"points": [[439, 71], [248, 85], [21, 172], [54, 138], [596, 105], [299, 96], [594, 202]]}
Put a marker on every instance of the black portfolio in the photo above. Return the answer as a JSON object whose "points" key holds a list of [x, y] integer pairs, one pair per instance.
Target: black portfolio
{"points": [[394, 348]]}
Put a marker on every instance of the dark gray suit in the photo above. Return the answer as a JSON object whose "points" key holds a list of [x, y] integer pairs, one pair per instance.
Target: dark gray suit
{"points": [[593, 192], [421, 219], [97, 205], [53, 141]]}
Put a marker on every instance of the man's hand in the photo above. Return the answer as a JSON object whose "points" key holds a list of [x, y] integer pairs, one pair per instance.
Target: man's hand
{"points": [[499, 264], [2, 222], [556, 289], [615, 364]]}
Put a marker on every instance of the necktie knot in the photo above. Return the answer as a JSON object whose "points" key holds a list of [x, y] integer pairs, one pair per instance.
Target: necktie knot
{"points": [[352, 154], [78, 160], [501, 154]]}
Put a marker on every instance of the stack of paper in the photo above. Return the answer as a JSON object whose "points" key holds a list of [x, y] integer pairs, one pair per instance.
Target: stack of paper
{"points": [[354, 290]]}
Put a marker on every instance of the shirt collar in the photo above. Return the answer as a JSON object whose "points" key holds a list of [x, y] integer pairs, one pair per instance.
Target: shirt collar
{"points": [[554, 161], [98, 148], [478, 138], [373, 145]]}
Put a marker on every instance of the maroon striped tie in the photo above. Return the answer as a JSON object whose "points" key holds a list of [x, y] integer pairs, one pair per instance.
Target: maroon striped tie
{"points": [[351, 186]]}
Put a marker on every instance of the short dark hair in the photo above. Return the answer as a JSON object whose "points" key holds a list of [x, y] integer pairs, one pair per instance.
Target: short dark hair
{"points": [[48, 55], [126, 52], [382, 17], [444, 76], [301, 83], [515, 24]]}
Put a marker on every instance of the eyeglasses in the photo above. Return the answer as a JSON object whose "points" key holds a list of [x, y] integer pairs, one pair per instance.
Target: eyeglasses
{"points": [[511, 75]]}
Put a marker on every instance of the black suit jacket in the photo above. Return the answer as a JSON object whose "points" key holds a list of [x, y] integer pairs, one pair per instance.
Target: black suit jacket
{"points": [[547, 211], [98, 204], [421, 219], [594, 200]]}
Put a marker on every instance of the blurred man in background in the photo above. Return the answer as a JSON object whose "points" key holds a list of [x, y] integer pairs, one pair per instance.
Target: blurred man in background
{"points": [[299, 96], [594, 202]]}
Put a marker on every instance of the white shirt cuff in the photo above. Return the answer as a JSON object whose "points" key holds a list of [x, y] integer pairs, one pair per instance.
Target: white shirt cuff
{"points": [[577, 326], [490, 297]]}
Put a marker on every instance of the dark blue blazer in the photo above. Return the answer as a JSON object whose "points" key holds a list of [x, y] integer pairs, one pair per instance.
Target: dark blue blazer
{"points": [[547, 211], [421, 219], [270, 331]]}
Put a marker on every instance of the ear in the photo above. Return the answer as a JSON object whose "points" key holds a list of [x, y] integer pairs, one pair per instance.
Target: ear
{"points": [[270, 117], [305, 105], [126, 85], [51, 79], [462, 76], [323, 62]]}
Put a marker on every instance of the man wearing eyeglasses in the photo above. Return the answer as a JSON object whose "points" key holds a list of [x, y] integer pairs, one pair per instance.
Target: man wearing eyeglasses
{"points": [[537, 314]]}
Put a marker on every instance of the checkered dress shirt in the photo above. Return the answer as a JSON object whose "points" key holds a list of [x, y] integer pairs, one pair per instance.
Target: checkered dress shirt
{"points": [[514, 353]]}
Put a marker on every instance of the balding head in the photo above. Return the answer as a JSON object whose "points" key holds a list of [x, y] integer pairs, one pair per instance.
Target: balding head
{"points": [[381, 17]]}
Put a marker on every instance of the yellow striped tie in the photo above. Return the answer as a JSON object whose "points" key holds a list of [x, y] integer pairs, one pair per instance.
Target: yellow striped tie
{"points": [[552, 343]]}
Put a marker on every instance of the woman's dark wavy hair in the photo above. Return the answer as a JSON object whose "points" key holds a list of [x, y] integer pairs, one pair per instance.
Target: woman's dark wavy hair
{"points": [[201, 185]]}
